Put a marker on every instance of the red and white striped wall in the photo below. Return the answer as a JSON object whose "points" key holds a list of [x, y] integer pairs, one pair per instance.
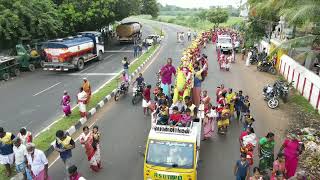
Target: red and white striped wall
{"points": [[305, 81]]}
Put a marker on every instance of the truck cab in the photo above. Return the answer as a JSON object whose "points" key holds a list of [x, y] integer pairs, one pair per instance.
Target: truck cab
{"points": [[99, 41], [173, 152]]}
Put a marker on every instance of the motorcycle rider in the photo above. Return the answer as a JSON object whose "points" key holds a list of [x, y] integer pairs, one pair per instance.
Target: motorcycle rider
{"points": [[124, 80], [140, 82]]}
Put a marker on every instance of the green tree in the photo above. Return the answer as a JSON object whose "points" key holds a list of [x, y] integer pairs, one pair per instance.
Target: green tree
{"points": [[150, 7], [27, 18], [217, 16], [202, 15]]}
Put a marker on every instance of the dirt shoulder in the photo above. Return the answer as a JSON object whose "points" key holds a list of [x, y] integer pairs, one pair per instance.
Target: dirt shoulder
{"points": [[297, 113]]}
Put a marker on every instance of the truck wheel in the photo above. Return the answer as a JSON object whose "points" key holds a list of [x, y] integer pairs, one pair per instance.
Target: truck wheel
{"points": [[6, 76], [31, 67], [80, 64], [17, 72], [100, 56], [41, 63]]}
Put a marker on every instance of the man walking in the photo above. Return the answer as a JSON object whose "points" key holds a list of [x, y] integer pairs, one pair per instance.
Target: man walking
{"points": [[64, 144], [135, 50], [189, 35], [37, 163], [20, 158]]}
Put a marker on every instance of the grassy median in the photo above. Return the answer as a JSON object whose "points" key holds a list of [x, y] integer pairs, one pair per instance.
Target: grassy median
{"points": [[44, 140]]}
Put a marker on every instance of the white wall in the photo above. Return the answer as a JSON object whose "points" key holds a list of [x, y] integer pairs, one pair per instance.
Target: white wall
{"points": [[305, 81]]}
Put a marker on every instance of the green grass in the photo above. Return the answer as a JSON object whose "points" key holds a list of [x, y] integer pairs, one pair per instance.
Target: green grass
{"points": [[45, 138], [191, 22], [303, 104]]}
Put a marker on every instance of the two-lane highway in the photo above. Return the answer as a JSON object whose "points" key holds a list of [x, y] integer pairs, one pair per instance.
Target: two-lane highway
{"points": [[33, 100], [124, 128]]}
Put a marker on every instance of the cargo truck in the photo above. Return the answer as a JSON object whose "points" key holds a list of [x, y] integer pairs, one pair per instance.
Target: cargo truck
{"points": [[73, 52], [129, 32]]}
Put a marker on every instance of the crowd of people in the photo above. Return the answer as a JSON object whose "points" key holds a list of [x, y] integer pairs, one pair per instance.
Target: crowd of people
{"points": [[176, 103]]}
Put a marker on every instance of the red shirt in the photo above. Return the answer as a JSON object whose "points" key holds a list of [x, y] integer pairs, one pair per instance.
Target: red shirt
{"points": [[146, 94], [175, 117]]}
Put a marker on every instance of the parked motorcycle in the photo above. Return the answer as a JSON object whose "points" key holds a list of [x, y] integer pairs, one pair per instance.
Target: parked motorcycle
{"points": [[266, 66], [271, 95], [283, 88], [122, 90], [137, 93], [254, 57], [280, 89]]}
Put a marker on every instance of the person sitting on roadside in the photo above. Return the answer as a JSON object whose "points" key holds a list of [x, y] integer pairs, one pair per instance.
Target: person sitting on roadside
{"points": [[175, 117], [163, 114], [186, 119]]}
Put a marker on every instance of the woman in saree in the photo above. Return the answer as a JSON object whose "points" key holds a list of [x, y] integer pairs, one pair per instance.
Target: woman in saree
{"points": [[208, 123], [65, 103], [205, 99], [225, 116], [266, 152], [291, 148], [92, 149], [230, 99]]}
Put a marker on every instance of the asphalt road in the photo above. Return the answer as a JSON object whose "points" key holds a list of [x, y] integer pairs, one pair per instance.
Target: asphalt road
{"points": [[33, 99], [124, 128]]}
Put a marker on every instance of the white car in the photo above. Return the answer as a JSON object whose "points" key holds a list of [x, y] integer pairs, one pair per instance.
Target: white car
{"points": [[224, 43], [149, 40]]}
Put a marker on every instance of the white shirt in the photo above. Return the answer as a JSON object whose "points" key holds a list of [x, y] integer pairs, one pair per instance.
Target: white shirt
{"points": [[19, 153], [38, 162]]}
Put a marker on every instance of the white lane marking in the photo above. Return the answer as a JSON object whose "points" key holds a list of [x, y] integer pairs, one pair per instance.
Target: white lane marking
{"points": [[92, 67], [118, 73], [47, 89], [122, 48], [92, 74], [108, 57], [119, 51], [152, 60]]}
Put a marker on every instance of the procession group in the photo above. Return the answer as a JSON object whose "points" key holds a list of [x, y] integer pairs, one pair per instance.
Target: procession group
{"points": [[175, 103]]}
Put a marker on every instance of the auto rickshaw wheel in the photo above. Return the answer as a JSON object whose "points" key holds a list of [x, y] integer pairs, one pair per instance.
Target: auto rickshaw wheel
{"points": [[31, 67], [17, 72], [41, 63], [5, 76]]}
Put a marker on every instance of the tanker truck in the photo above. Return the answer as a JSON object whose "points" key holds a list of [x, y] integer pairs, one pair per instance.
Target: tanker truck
{"points": [[129, 32], [73, 52]]}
